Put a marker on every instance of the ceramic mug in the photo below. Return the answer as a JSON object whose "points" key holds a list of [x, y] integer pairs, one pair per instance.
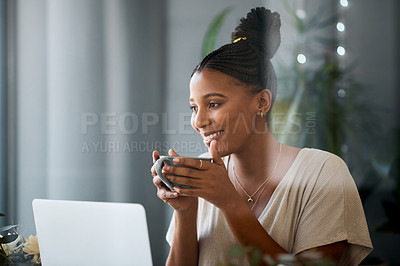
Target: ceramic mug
{"points": [[168, 160]]}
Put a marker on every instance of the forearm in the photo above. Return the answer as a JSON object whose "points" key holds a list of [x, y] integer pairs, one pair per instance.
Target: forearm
{"points": [[248, 232], [184, 248]]}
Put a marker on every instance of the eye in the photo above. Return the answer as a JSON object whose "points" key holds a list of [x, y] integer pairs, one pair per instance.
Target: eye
{"points": [[193, 108], [212, 105]]}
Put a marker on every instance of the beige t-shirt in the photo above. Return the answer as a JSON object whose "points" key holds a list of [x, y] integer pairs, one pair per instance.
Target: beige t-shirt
{"points": [[315, 204]]}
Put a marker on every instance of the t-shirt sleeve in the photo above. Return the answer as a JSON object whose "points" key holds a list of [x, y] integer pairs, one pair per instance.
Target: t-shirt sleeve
{"points": [[333, 212]]}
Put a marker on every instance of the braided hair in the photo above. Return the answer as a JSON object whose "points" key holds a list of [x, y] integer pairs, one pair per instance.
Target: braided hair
{"points": [[247, 58]]}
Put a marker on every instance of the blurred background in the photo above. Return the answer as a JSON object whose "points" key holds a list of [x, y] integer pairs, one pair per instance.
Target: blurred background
{"points": [[89, 88]]}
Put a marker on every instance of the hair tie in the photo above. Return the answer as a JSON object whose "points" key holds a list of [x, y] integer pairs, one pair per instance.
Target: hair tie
{"points": [[239, 39]]}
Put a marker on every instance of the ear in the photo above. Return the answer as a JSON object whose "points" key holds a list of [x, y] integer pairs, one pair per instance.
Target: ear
{"points": [[264, 101]]}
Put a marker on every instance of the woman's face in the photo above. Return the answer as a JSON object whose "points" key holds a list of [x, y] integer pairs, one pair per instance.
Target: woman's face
{"points": [[222, 110]]}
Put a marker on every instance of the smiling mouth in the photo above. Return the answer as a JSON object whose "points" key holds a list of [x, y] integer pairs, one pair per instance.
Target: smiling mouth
{"points": [[212, 136]]}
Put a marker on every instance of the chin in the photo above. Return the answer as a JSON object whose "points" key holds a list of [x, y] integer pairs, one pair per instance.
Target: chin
{"points": [[223, 149]]}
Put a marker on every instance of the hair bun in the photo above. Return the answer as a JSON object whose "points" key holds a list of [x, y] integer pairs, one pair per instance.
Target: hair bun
{"points": [[261, 27]]}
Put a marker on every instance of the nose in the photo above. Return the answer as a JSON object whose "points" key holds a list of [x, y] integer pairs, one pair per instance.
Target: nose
{"points": [[200, 119]]}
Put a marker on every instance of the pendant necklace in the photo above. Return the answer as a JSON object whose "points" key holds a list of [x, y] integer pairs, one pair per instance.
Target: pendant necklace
{"points": [[250, 197]]}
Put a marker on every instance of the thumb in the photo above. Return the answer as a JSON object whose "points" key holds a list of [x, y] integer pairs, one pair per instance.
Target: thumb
{"points": [[155, 156], [171, 152], [215, 153]]}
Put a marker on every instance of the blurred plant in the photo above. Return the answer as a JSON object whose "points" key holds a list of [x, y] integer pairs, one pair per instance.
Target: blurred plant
{"points": [[391, 206], [325, 108], [31, 248], [343, 117], [15, 250], [210, 38]]}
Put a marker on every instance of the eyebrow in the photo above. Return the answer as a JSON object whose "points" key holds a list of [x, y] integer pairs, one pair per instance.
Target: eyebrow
{"points": [[211, 95]]}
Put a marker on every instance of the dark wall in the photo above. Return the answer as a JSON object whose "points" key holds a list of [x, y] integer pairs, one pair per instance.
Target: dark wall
{"points": [[372, 41]]}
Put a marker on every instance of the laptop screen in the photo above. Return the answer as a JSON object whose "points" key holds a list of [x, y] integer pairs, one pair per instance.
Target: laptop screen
{"points": [[91, 233]]}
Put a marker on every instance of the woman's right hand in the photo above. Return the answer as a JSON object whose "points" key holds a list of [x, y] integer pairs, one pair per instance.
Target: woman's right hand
{"points": [[177, 202]]}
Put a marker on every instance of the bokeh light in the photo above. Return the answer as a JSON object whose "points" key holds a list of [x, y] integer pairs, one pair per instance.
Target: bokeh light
{"points": [[301, 59], [340, 26], [340, 50], [344, 3]]}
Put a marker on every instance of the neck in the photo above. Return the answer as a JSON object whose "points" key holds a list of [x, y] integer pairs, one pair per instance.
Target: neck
{"points": [[255, 163]]}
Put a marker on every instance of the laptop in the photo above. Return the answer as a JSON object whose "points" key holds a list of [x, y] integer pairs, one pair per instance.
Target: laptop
{"points": [[88, 233]]}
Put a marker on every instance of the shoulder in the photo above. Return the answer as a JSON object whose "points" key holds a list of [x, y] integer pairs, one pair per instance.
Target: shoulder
{"points": [[323, 160], [322, 171], [321, 155]]}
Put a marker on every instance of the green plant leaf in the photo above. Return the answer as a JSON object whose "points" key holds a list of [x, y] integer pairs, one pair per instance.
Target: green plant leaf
{"points": [[212, 32], [255, 258], [328, 22], [313, 22], [299, 24], [238, 251], [290, 10]]}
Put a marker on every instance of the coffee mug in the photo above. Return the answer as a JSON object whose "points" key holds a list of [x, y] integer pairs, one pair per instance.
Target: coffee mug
{"points": [[168, 160]]}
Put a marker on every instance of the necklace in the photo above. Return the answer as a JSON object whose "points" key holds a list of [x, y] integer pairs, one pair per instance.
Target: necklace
{"points": [[250, 197], [259, 195]]}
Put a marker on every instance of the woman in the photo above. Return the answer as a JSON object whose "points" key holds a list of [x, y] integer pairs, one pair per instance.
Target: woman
{"points": [[257, 192]]}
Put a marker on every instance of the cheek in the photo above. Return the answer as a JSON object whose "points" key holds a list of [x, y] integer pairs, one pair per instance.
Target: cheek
{"points": [[240, 124]]}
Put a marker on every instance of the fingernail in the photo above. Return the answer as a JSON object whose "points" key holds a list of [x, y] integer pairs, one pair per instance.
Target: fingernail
{"points": [[176, 160], [175, 194], [166, 168]]}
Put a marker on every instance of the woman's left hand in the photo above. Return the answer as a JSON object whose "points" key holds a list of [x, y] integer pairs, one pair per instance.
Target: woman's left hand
{"points": [[211, 180]]}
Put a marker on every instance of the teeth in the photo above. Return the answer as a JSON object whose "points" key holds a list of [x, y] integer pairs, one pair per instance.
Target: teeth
{"points": [[207, 138]]}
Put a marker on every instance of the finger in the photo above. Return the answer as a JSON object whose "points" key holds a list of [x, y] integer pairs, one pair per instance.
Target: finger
{"points": [[167, 194], [215, 153], [157, 181], [186, 181], [155, 156], [159, 184], [181, 171], [187, 191], [201, 164], [153, 171], [171, 152]]}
